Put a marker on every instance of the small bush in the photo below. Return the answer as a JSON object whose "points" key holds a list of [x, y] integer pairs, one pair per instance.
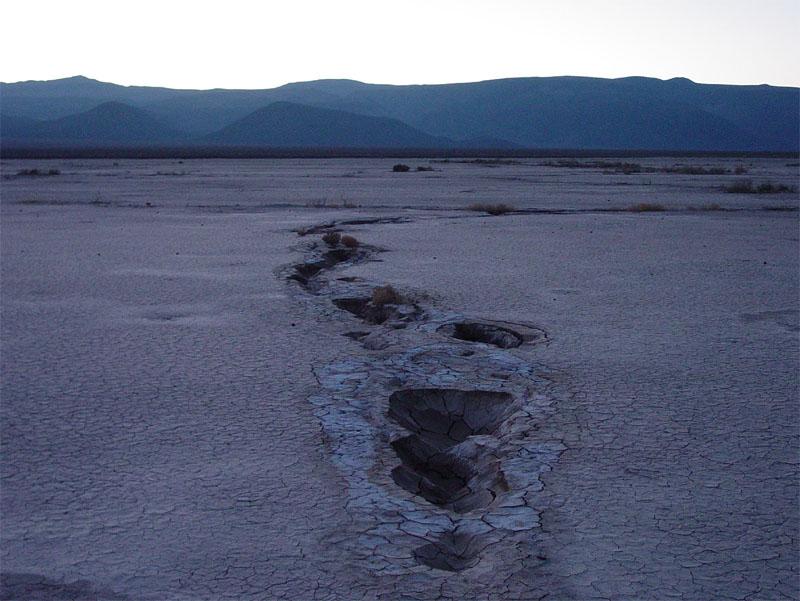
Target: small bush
{"points": [[645, 207], [747, 187], [37, 173], [386, 295], [423, 168], [711, 207], [740, 187], [497, 209], [400, 168], [694, 170], [349, 242], [331, 238], [774, 188]]}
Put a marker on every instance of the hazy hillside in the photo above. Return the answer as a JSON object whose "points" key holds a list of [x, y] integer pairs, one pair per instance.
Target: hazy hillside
{"points": [[288, 124], [552, 112], [108, 123]]}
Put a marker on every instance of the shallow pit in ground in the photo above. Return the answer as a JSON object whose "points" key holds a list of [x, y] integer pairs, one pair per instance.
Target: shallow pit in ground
{"points": [[363, 308], [306, 271], [487, 333], [452, 551], [462, 477], [443, 460], [443, 417]]}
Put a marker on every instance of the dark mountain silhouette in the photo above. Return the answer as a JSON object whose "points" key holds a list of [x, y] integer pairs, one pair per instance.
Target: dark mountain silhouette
{"points": [[289, 124], [551, 112], [108, 123]]}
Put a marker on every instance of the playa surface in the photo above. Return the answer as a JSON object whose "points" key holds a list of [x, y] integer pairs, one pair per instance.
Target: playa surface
{"points": [[196, 403]]}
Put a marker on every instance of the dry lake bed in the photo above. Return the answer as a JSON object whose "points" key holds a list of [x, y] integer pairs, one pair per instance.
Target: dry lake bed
{"points": [[584, 398]]}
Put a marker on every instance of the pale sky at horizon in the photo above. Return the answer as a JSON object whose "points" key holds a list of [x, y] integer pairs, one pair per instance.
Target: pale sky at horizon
{"points": [[240, 44]]}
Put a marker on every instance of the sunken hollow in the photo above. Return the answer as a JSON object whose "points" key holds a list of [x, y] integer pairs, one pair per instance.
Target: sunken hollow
{"points": [[443, 460], [475, 331]]}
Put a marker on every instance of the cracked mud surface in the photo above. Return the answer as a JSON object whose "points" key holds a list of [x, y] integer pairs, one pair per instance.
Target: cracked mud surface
{"points": [[180, 423]]}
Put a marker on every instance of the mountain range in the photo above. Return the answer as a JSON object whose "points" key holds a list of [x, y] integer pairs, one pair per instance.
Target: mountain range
{"points": [[633, 113]]}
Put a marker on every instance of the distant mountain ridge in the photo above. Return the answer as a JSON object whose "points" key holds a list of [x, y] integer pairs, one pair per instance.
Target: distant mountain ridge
{"points": [[634, 113]]}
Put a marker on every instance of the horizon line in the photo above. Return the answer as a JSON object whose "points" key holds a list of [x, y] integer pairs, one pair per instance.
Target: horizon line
{"points": [[81, 76]]}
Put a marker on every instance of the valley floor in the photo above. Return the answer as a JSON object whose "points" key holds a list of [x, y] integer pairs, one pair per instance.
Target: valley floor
{"points": [[183, 419]]}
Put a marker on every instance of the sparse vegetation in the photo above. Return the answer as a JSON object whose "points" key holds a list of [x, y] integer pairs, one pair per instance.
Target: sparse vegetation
{"points": [[694, 170], [485, 162], [617, 167], [492, 209], [748, 187], [386, 295], [36, 172], [644, 207], [631, 168], [710, 207], [349, 242], [400, 168], [423, 168], [331, 238]]}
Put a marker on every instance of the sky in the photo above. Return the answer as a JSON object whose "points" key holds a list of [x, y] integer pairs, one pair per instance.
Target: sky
{"points": [[248, 44]]}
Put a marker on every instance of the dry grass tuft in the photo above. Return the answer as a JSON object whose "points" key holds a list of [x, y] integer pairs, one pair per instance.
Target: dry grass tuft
{"points": [[497, 209], [386, 295], [645, 207], [747, 187], [349, 242], [331, 238]]}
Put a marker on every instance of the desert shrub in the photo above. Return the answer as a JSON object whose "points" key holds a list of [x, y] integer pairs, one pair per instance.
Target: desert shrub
{"points": [[694, 170], [349, 241], [386, 295], [774, 188], [331, 238], [492, 209], [400, 168], [709, 207], [747, 187], [646, 206], [740, 187]]}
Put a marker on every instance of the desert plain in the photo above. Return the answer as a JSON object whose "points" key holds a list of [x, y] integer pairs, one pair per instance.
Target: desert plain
{"points": [[582, 398]]}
